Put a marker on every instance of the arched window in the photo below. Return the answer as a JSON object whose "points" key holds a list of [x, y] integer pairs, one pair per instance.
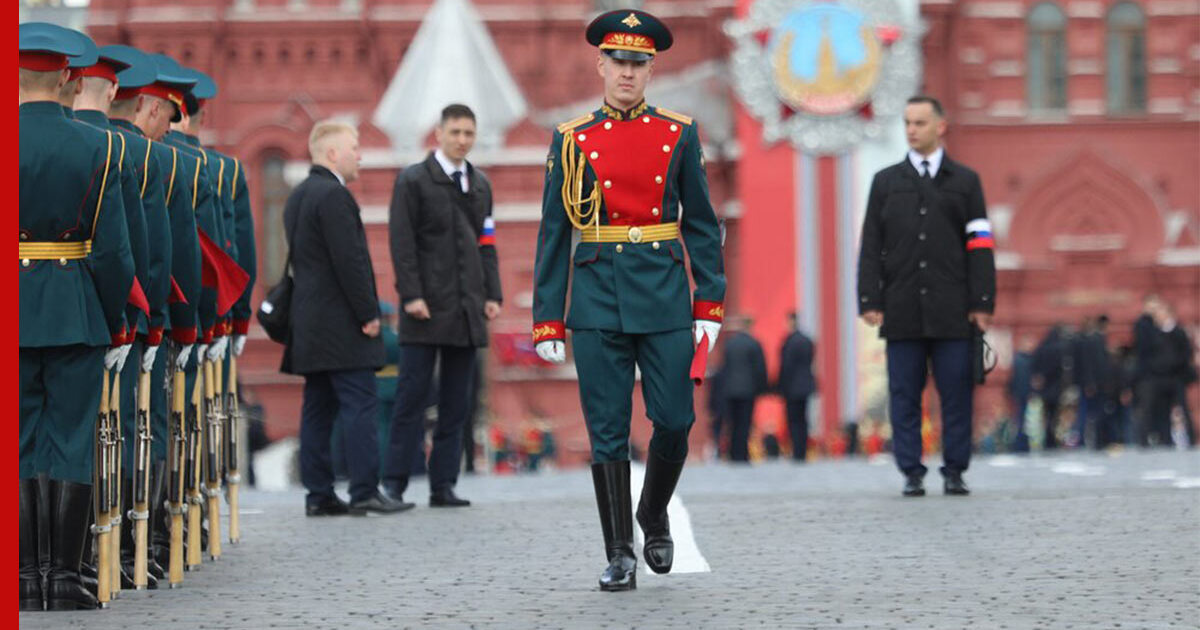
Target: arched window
{"points": [[1126, 59], [274, 189], [1047, 67]]}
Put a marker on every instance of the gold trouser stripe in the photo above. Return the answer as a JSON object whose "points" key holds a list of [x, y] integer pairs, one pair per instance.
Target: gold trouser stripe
{"points": [[388, 371], [628, 234], [71, 250]]}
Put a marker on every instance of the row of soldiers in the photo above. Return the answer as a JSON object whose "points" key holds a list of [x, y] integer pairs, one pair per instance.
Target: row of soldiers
{"points": [[137, 260]]}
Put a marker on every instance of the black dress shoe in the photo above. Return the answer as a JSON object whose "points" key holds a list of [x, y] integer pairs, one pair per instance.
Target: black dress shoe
{"points": [[914, 486], [447, 498], [379, 504], [954, 485], [330, 506]]}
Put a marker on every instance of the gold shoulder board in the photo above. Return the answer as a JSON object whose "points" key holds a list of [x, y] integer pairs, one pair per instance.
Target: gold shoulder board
{"points": [[676, 116], [571, 124]]}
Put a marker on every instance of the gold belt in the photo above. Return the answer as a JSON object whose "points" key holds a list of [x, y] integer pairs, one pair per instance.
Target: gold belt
{"points": [[68, 250], [630, 234]]}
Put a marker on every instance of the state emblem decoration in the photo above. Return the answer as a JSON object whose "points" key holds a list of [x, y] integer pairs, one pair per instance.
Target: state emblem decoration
{"points": [[822, 74]]}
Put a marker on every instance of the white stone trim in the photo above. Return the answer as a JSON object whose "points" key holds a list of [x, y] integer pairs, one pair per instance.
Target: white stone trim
{"points": [[1085, 9], [172, 14], [972, 55], [1007, 68], [1165, 65], [971, 100], [1161, 8], [1082, 67], [995, 9], [1007, 261], [1165, 105], [291, 13], [1086, 107], [1180, 257], [505, 156], [1008, 109], [547, 12]]}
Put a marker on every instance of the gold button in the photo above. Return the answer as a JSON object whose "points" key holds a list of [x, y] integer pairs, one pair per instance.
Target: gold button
{"points": [[654, 245], [582, 137], [24, 236], [654, 211], [24, 262], [658, 179], [645, 119], [608, 125], [608, 183], [635, 234], [666, 148], [62, 261], [674, 127], [616, 215], [620, 248], [593, 155]]}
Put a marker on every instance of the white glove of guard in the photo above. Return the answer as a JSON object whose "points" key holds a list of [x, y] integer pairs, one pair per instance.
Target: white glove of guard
{"points": [[216, 350], [239, 344], [112, 357], [704, 328], [123, 354], [148, 355], [182, 358], [201, 353], [552, 351]]}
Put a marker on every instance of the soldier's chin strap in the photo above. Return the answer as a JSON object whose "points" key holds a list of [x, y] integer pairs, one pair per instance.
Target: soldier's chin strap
{"points": [[583, 213]]}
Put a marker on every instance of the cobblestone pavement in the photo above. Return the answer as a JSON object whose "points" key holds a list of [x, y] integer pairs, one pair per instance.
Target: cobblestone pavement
{"points": [[1078, 540]]}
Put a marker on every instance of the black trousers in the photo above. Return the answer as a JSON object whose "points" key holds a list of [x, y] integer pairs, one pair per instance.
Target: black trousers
{"points": [[741, 416], [454, 388], [347, 398], [908, 363], [797, 419]]}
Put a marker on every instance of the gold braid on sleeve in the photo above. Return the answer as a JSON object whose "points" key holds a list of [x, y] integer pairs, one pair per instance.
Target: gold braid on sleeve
{"points": [[582, 212]]}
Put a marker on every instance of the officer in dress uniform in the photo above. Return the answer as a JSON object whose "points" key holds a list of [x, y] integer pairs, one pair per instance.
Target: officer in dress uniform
{"points": [[71, 217], [926, 275], [628, 181]]}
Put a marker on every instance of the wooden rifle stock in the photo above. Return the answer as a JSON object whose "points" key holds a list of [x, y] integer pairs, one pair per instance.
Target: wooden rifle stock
{"points": [[233, 478], [103, 528], [195, 501], [177, 456], [212, 462], [116, 444], [140, 515]]}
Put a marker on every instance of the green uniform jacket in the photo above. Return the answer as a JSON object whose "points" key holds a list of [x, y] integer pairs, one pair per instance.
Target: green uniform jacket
{"points": [[70, 191], [207, 220], [652, 167], [247, 256]]}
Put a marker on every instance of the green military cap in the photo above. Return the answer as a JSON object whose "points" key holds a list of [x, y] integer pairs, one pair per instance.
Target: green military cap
{"points": [[89, 56], [205, 89], [629, 34], [138, 72], [46, 47], [171, 83]]}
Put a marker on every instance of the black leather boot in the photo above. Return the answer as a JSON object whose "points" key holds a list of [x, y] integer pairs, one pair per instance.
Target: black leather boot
{"points": [[611, 480], [160, 526], [70, 504], [30, 574], [128, 541], [659, 485]]}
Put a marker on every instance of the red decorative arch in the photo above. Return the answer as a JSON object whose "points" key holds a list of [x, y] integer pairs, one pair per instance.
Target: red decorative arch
{"points": [[1087, 204]]}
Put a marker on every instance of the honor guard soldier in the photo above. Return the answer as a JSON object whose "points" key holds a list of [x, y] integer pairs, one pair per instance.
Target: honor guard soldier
{"points": [[71, 218], [629, 180]]}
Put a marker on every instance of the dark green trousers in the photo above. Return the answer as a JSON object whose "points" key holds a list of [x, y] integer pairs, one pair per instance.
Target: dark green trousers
{"points": [[60, 395], [129, 379], [605, 361], [160, 406]]}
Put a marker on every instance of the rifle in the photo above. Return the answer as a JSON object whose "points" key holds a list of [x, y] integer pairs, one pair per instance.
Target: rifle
{"points": [[195, 501], [212, 462], [103, 496], [177, 456], [140, 514], [233, 479], [117, 445]]}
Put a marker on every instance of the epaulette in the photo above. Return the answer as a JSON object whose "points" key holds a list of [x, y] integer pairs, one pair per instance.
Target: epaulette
{"points": [[571, 124], [676, 116]]}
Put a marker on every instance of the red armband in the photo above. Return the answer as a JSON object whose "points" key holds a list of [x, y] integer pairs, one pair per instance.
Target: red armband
{"points": [[549, 331], [710, 311]]}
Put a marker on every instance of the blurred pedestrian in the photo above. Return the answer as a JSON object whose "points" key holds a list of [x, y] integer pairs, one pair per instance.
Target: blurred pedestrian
{"points": [[1048, 361], [745, 375], [1020, 388], [1154, 387], [1090, 359], [447, 274], [927, 279], [334, 340], [1182, 374], [796, 384]]}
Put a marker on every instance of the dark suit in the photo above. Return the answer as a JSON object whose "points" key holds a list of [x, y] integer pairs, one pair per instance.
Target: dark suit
{"points": [[926, 262], [745, 379], [443, 252], [334, 296], [796, 384]]}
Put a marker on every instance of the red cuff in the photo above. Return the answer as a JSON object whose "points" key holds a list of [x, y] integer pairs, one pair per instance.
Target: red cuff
{"points": [[711, 311], [155, 336], [549, 331], [120, 337], [241, 326], [207, 337], [184, 336]]}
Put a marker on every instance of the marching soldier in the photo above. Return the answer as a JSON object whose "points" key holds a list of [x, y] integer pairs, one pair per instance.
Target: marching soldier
{"points": [[629, 179], [71, 217]]}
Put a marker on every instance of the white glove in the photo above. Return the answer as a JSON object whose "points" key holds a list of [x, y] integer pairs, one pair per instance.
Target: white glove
{"points": [[552, 351], [112, 357], [148, 358], [201, 353], [182, 358], [239, 344], [705, 328], [123, 353], [216, 350]]}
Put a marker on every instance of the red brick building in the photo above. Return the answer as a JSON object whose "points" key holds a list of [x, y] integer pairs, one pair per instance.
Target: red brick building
{"points": [[1081, 116]]}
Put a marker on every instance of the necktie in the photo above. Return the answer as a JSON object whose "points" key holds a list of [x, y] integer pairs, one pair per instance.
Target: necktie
{"points": [[457, 177], [925, 169]]}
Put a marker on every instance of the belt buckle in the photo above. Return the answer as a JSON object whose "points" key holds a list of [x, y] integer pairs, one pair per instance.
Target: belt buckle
{"points": [[635, 234]]}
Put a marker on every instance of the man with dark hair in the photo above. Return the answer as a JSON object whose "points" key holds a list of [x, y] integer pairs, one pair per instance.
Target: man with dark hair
{"points": [[796, 384], [447, 274], [927, 278]]}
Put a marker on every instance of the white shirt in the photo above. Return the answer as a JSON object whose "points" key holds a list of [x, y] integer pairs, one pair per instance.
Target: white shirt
{"points": [[935, 161], [338, 175], [450, 168]]}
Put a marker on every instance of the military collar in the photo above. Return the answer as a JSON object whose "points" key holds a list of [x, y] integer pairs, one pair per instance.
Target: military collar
{"points": [[617, 114], [125, 124], [41, 108], [92, 117], [68, 112], [190, 139]]}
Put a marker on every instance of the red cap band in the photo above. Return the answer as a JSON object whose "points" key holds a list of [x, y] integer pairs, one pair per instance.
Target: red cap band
{"points": [[126, 93], [41, 61], [102, 70], [164, 92]]}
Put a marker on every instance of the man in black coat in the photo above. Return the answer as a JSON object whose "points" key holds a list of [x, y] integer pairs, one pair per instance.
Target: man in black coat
{"points": [[444, 253], [744, 372], [1047, 381], [334, 340], [796, 384], [926, 277]]}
